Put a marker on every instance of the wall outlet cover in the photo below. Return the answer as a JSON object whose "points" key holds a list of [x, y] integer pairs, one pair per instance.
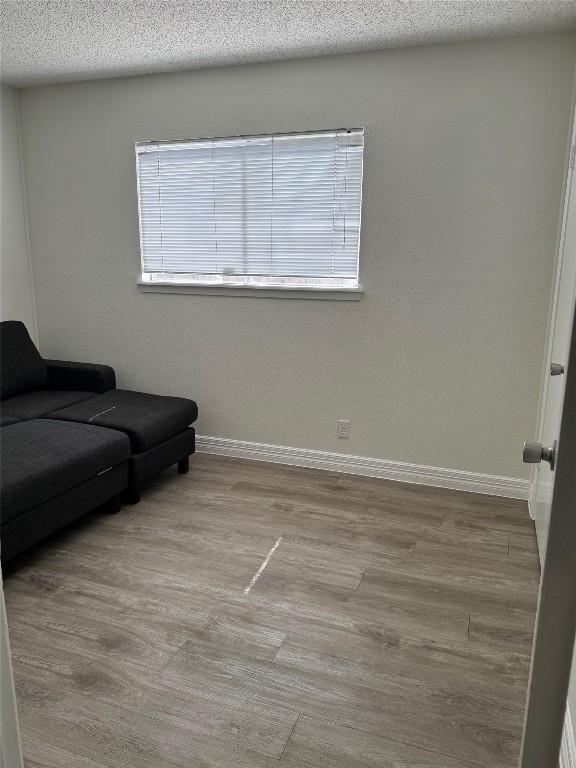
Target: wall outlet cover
{"points": [[343, 429]]}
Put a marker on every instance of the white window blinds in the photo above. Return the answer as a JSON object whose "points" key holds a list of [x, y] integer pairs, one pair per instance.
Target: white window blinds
{"points": [[263, 210]]}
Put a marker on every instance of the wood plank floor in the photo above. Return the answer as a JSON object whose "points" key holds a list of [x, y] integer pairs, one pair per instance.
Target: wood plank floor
{"points": [[390, 627]]}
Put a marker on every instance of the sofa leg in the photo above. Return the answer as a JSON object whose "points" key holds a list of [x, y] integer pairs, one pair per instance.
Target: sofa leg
{"points": [[133, 493], [184, 465]]}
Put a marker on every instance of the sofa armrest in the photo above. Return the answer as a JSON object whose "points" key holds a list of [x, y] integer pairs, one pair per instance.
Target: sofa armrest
{"points": [[87, 377]]}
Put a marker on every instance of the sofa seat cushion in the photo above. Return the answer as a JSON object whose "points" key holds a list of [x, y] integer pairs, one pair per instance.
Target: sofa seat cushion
{"points": [[43, 459], [148, 420], [5, 421], [34, 405]]}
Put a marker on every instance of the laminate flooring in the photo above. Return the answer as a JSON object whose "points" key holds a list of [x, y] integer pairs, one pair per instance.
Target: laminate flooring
{"points": [[255, 615]]}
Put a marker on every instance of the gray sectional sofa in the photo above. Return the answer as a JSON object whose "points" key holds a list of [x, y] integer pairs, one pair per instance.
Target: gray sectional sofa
{"points": [[70, 441]]}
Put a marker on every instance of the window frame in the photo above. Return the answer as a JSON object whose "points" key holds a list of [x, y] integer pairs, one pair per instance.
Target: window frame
{"points": [[245, 287]]}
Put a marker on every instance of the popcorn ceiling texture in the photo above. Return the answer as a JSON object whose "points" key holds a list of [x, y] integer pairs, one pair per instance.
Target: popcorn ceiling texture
{"points": [[51, 41]]}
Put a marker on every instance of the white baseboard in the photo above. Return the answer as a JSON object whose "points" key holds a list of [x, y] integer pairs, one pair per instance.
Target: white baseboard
{"points": [[531, 504], [568, 747], [532, 493], [454, 479]]}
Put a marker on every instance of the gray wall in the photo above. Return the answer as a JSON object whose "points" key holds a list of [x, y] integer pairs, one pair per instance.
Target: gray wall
{"points": [[16, 292], [439, 364]]}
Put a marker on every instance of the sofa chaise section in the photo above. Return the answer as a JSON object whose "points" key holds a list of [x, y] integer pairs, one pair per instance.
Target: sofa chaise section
{"points": [[158, 428], [53, 473]]}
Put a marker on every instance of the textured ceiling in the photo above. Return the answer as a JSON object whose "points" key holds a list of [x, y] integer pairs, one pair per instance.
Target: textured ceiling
{"points": [[46, 41]]}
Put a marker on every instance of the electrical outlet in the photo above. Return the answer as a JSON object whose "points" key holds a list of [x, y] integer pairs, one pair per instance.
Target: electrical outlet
{"points": [[343, 429]]}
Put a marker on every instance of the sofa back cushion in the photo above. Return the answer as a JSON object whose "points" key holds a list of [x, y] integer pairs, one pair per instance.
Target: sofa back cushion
{"points": [[21, 367]]}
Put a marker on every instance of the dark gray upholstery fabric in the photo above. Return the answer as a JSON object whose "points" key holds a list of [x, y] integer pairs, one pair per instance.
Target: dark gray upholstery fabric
{"points": [[147, 419], [143, 466], [5, 421], [34, 405], [32, 526], [88, 376], [21, 367], [42, 459]]}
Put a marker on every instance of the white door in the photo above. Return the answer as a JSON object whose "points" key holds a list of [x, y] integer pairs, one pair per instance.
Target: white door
{"points": [[557, 357], [553, 646], [554, 507]]}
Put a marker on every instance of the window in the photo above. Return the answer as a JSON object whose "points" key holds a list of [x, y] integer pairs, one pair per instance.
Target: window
{"points": [[274, 211]]}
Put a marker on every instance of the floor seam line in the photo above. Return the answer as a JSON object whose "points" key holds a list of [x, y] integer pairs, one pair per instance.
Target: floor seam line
{"points": [[277, 651], [289, 736]]}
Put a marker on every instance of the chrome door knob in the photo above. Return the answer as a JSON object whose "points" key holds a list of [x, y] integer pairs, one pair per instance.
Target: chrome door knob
{"points": [[556, 369], [534, 453]]}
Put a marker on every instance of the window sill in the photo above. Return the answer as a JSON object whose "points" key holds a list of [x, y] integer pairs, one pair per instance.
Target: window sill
{"points": [[264, 292]]}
